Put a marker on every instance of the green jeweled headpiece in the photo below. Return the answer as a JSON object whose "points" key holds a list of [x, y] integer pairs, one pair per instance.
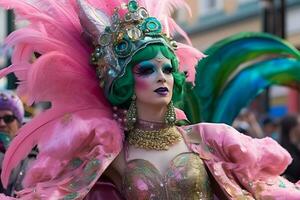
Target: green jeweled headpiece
{"points": [[119, 38]]}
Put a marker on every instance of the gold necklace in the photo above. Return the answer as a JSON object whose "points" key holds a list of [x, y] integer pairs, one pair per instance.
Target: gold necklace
{"points": [[160, 139]]}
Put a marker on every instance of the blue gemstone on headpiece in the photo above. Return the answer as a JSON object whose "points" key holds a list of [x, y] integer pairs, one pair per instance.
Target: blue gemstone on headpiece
{"points": [[112, 73], [151, 24], [123, 48]]}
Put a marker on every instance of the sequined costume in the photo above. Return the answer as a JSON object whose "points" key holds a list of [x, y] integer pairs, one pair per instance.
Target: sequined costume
{"points": [[242, 167], [186, 178]]}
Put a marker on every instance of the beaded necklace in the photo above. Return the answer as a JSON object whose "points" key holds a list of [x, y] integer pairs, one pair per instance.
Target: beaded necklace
{"points": [[153, 135]]}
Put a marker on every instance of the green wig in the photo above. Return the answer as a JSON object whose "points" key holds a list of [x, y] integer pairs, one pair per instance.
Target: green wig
{"points": [[123, 88]]}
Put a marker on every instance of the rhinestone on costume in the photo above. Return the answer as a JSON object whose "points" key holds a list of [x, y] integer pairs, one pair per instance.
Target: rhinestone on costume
{"points": [[250, 184], [115, 18], [105, 39], [133, 6], [98, 55], [123, 5], [114, 27], [135, 16], [75, 162], [281, 184], [70, 196], [174, 44], [109, 59], [128, 17], [152, 25], [123, 48], [93, 59], [143, 13], [112, 73], [134, 33], [97, 49]]}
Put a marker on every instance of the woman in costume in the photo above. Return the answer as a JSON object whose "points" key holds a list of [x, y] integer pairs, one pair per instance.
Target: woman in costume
{"points": [[140, 67]]}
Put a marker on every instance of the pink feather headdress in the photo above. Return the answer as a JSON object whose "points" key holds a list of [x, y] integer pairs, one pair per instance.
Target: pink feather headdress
{"points": [[62, 75]]}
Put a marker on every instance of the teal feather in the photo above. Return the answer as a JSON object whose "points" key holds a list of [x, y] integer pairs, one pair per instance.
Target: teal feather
{"points": [[223, 63], [251, 81], [191, 104]]}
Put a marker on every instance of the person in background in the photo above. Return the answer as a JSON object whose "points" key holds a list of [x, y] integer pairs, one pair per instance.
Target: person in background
{"points": [[11, 113], [270, 128], [290, 140], [247, 123], [11, 119]]}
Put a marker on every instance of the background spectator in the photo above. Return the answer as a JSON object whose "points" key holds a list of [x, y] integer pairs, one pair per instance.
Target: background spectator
{"points": [[11, 113], [270, 128], [290, 140], [247, 123], [11, 119]]}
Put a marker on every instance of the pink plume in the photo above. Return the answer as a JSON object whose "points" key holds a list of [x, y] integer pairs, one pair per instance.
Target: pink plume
{"points": [[180, 115], [57, 75], [188, 63], [82, 130], [109, 6], [40, 129], [175, 28]]}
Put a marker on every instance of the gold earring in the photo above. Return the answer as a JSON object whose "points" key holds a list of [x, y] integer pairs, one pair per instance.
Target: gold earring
{"points": [[131, 116], [170, 116]]}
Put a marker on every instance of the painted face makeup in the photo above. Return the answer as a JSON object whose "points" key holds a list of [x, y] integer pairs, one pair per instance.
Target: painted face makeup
{"points": [[154, 81]]}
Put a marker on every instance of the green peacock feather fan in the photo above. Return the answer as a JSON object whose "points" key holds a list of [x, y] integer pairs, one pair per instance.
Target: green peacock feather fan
{"points": [[237, 69]]}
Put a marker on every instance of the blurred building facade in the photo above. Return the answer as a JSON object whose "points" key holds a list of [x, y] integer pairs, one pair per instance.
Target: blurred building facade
{"points": [[213, 20]]}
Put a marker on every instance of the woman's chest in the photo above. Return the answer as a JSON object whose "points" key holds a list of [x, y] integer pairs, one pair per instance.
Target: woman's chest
{"points": [[185, 177], [176, 173], [159, 159]]}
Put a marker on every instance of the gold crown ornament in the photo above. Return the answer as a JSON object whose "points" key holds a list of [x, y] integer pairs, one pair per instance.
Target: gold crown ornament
{"points": [[118, 38]]}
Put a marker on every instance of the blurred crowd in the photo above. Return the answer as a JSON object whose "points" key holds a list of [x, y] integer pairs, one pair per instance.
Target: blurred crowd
{"points": [[11, 119], [285, 131]]}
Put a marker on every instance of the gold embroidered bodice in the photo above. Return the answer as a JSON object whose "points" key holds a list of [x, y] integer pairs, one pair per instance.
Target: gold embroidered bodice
{"points": [[185, 179]]}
